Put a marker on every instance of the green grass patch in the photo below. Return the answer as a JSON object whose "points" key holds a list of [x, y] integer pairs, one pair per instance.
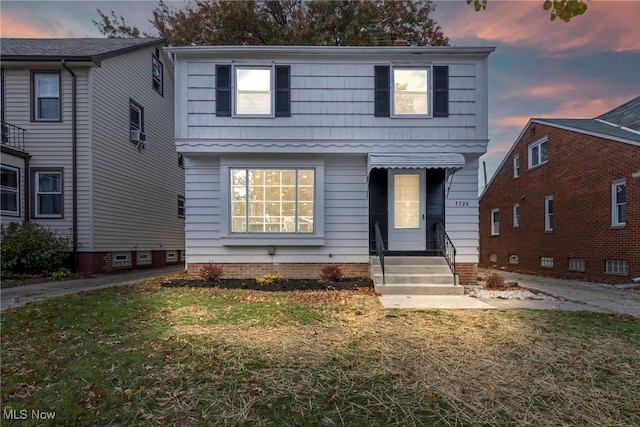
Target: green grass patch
{"points": [[146, 355]]}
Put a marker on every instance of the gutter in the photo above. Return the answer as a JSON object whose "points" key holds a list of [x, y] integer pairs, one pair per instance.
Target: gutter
{"points": [[74, 162]]}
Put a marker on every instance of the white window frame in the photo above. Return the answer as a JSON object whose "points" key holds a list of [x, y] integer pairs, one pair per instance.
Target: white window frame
{"points": [[516, 215], [548, 213], [546, 261], [577, 264], [136, 125], [144, 258], [539, 159], [516, 166], [617, 267], [15, 192], [495, 225], [182, 209], [272, 90], [429, 90], [171, 256], [121, 259], [157, 75], [615, 213], [37, 192], [37, 114], [272, 239]]}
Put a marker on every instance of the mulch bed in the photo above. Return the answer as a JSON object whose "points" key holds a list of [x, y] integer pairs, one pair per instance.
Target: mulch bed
{"points": [[281, 286]]}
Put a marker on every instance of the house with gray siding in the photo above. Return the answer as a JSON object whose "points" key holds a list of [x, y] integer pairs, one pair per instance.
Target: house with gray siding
{"points": [[300, 157], [87, 148]]}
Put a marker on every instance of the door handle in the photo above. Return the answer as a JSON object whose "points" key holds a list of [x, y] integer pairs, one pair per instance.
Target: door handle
{"points": [[423, 217]]}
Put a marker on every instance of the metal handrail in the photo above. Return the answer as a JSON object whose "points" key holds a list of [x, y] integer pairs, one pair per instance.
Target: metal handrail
{"points": [[446, 248], [380, 249], [13, 136]]}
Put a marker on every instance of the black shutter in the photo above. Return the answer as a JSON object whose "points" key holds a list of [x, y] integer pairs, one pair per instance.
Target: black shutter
{"points": [[283, 91], [382, 96], [441, 91], [223, 90]]}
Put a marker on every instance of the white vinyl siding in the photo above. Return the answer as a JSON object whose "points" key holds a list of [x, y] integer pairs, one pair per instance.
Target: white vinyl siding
{"points": [[341, 231], [331, 101], [133, 197]]}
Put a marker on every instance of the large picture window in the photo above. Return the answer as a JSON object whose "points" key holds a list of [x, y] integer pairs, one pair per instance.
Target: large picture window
{"points": [[272, 200], [10, 184], [46, 96], [48, 197]]}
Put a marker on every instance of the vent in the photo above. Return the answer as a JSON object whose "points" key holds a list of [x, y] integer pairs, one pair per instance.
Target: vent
{"points": [[138, 136]]}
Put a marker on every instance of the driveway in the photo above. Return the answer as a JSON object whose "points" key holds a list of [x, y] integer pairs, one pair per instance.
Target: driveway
{"points": [[572, 295]]}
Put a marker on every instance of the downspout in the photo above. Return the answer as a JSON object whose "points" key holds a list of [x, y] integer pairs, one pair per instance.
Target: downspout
{"points": [[74, 164]]}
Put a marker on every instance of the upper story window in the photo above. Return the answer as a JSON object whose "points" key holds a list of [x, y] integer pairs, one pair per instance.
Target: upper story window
{"points": [[410, 91], [10, 190], [516, 215], [136, 123], [495, 222], [619, 203], [406, 91], [254, 91], [46, 96], [516, 166], [548, 213], [157, 73], [181, 207], [538, 152], [48, 197]]}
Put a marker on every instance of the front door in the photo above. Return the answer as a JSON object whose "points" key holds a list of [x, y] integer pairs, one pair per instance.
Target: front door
{"points": [[407, 210]]}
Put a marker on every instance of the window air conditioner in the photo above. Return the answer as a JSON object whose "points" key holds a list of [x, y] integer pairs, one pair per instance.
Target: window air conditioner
{"points": [[138, 136]]}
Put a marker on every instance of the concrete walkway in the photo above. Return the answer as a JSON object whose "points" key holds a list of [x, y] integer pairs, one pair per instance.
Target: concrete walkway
{"points": [[573, 295], [20, 295]]}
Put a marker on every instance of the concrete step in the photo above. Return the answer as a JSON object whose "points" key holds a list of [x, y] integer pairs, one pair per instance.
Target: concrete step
{"points": [[419, 289], [412, 269], [411, 260], [414, 278]]}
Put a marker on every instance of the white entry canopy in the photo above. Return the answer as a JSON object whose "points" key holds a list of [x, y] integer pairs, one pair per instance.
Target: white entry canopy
{"points": [[451, 161]]}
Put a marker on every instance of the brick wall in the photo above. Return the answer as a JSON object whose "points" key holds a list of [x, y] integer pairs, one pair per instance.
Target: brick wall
{"points": [[288, 271], [467, 273], [102, 262], [578, 175]]}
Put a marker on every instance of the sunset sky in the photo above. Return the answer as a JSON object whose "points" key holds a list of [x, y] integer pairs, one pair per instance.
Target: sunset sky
{"points": [[539, 69]]}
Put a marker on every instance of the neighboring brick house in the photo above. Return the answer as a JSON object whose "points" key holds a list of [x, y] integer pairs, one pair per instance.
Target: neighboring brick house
{"points": [[565, 201], [87, 148]]}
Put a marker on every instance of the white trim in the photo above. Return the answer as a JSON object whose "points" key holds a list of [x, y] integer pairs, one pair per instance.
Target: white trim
{"points": [[278, 239], [144, 258], [428, 91], [37, 192], [537, 144], [617, 267], [171, 256], [548, 214], [121, 259], [586, 132], [495, 225], [546, 261], [516, 166], [272, 90], [516, 215], [11, 191], [615, 220], [453, 161]]}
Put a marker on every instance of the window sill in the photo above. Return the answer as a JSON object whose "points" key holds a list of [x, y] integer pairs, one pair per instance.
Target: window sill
{"points": [[11, 214], [271, 240], [538, 165], [495, 235], [618, 227]]}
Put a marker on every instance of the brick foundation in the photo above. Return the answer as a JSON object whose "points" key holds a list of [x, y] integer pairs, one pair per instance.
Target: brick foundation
{"points": [[102, 262], [467, 273], [288, 271]]}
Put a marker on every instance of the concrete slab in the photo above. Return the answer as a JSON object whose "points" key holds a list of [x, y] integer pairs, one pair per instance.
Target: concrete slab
{"points": [[454, 302]]}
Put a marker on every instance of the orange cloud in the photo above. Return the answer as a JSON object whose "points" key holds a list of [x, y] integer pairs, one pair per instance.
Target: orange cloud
{"points": [[13, 28], [606, 26]]}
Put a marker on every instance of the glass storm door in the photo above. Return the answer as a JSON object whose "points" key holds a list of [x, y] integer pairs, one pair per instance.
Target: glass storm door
{"points": [[407, 210]]}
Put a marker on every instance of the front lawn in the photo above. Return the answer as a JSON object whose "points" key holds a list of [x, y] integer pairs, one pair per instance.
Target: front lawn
{"points": [[149, 355]]}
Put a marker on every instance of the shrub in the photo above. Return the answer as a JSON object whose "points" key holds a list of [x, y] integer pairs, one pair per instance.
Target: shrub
{"points": [[31, 248], [61, 273], [330, 273], [268, 279], [495, 281], [212, 272]]}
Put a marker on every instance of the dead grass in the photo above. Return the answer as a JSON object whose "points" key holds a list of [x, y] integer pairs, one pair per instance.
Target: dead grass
{"points": [[220, 357]]}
